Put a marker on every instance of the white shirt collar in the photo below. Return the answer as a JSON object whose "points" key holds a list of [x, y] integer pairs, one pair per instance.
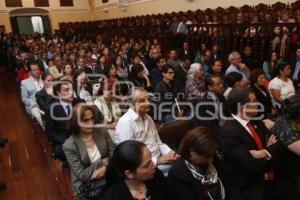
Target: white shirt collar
{"points": [[65, 104], [133, 114], [240, 120]]}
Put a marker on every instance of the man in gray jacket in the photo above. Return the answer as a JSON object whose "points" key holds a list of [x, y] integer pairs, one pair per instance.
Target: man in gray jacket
{"points": [[29, 87]]}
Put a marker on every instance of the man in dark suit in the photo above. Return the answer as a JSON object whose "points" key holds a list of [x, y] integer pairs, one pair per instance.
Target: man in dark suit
{"points": [[212, 107], [295, 65], [57, 117], [248, 154], [186, 53]]}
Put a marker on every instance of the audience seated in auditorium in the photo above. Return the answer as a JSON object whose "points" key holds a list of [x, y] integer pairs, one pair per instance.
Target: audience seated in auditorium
{"points": [[281, 87], [193, 175], [146, 40], [29, 88], [133, 175], [136, 124], [88, 149]]}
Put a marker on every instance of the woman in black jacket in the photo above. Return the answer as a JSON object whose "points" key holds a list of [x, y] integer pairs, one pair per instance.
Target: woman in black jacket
{"points": [[193, 176], [45, 96], [139, 79], [258, 80], [133, 176]]}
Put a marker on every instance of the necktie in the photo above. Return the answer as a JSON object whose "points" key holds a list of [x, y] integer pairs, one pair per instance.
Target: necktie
{"points": [[255, 136], [68, 110]]}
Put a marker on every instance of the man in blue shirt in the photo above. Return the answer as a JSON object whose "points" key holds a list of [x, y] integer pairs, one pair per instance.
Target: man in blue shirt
{"points": [[236, 65]]}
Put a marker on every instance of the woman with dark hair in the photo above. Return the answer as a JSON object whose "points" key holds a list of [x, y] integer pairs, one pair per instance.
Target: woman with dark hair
{"points": [[100, 67], [270, 65], [122, 71], [83, 89], [287, 126], [111, 81], [138, 78], [193, 176], [233, 81], [45, 96], [281, 87], [287, 131], [67, 72], [132, 174], [87, 150], [258, 79]]}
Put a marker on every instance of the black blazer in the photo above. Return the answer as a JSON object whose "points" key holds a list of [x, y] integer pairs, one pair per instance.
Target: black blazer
{"points": [[244, 175], [156, 189], [57, 129], [265, 100], [207, 106], [180, 78], [188, 55], [43, 99], [185, 187]]}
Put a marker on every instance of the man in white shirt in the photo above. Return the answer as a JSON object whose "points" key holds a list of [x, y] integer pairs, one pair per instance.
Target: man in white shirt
{"points": [[29, 87], [136, 124]]}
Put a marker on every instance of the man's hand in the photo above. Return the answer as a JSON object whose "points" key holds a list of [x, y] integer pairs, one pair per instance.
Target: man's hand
{"points": [[242, 66], [272, 140], [258, 154]]}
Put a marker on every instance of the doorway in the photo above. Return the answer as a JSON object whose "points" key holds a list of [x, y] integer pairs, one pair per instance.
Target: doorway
{"points": [[30, 20], [30, 24]]}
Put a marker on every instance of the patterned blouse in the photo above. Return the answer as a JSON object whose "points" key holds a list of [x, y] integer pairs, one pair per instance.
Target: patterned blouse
{"points": [[285, 131], [194, 90]]}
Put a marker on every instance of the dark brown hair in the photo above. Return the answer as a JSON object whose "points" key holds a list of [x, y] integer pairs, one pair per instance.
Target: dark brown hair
{"points": [[255, 74], [201, 140], [77, 115]]}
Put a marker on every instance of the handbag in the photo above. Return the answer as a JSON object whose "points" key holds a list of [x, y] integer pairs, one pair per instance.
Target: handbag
{"points": [[93, 189]]}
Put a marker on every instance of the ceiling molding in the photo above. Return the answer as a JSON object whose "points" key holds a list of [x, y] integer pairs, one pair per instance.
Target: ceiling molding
{"points": [[3, 11], [69, 10], [106, 6]]}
